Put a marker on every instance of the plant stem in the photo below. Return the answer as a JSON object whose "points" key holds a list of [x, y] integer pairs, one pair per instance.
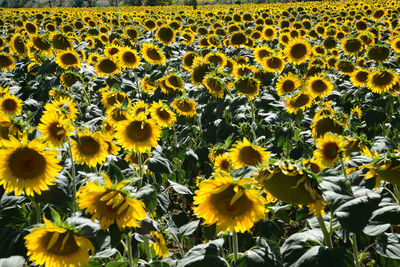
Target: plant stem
{"points": [[235, 246], [147, 247], [327, 236], [140, 165], [38, 212], [179, 244], [355, 249], [252, 110], [74, 208], [343, 169], [129, 245], [175, 136]]}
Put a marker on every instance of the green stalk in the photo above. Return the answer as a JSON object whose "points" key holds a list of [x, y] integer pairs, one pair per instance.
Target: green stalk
{"points": [[38, 212], [179, 244], [129, 245], [343, 168], [327, 236], [147, 247], [235, 246], [353, 241], [253, 117], [73, 174], [140, 165]]}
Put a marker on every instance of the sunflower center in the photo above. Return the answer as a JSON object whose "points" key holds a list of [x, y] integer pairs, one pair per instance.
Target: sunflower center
{"points": [[5, 61], [382, 79], [274, 63], [41, 44], [246, 86], [163, 114], [107, 66], [19, 45], [319, 86], [362, 76], [353, 45], [166, 34], [224, 204], [27, 163], [9, 105], [65, 244], [129, 57], [153, 54], [331, 150], [300, 101], [224, 165], [184, 106], [139, 131], [114, 98], [69, 59], [57, 131], [88, 145], [113, 51], [298, 51], [249, 156], [263, 53], [288, 86], [200, 71]]}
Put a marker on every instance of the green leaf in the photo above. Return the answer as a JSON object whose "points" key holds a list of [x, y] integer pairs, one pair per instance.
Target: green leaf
{"points": [[148, 194], [388, 214], [159, 164], [114, 172], [389, 245], [355, 214], [180, 189], [260, 256], [117, 264], [323, 256], [13, 261], [204, 255], [189, 228]]}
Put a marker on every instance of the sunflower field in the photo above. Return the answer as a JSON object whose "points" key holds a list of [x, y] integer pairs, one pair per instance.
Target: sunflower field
{"points": [[230, 135]]}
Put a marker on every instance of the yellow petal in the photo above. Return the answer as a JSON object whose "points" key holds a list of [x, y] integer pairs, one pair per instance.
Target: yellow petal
{"points": [[53, 240]]}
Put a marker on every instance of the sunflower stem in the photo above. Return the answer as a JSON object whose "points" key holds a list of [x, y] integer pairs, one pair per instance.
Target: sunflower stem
{"points": [[343, 168], [147, 247], [179, 244], [139, 156], [252, 111], [353, 241], [327, 236], [74, 208], [235, 246], [129, 245], [175, 136], [38, 212]]}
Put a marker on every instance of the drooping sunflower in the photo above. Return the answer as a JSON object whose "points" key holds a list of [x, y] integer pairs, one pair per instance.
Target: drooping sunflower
{"points": [[166, 35], [8, 127], [247, 86], [107, 67], [273, 64], [159, 245], [215, 85], [128, 58], [138, 134], [68, 59], [185, 107], [325, 123], [352, 46], [152, 54], [10, 104], [110, 98], [227, 204], [17, 45], [6, 62], [237, 39], [359, 77], [64, 107], [218, 59], [147, 85], [57, 245], [199, 70], [329, 149], [378, 53], [27, 166], [381, 81], [300, 101], [319, 85], [90, 149], [345, 66], [42, 44], [245, 153], [69, 78], [287, 83], [174, 81], [298, 51], [140, 107], [188, 60], [55, 130], [162, 114], [110, 204]]}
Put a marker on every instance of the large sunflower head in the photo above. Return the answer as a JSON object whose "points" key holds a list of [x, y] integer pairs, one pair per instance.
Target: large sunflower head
{"points": [[273, 64], [17, 45], [319, 85], [64, 107], [345, 66], [326, 123], [138, 134], [27, 166], [395, 43], [199, 70], [110, 204], [128, 58], [228, 204], [68, 59], [300, 101], [329, 148], [223, 162], [287, 83], [42, 44], [247, 86], [6, 62], [10, 104], [107, 66], [378, 53], [188, 59], [359, 77], [352, 46], [162, 114], [262, 52], [184, 107], [237, 39], [55, 129], [152, 54], [290, 183], [69, 78], [90, 148], [244, 153], [215, 85], [269, 33], [381, 81], [298, 51], [57, 245], [166, 35]]}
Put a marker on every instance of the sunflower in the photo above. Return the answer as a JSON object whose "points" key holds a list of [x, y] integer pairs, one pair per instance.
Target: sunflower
{"points": [[262, 52], [8, 127], [6, 62], [273, 64], [298, 51], [69, 78], [244, 153], [138, 134], [90, 149], [10, 104], [152, 54], [42, 44], [229, 205], [111, 98], [345, 66], [378, 53], [52, 245], [395, 43], [150, 24], [128, 58], [242, 69], [329, 149], [118, 113], [185, 107], [199, 70], [132, 158], [223, 163], [55, 130], [300, 101], [352, 46], [110, 204], [247, 86], [162, 114], [112, 50], [359, 77], [319, 85], [159, 245], [237, 39], [112, 147], [269, 33], [187, 38], [147, 85], [17, 45], [287, 83], [30, 27], [215, 85], [27, 166], [174, 81], [188, 60], [382, 81], [107, 67], [64, 107], [140, 107], [325, 123], [166, 35], [218, 59], [68, 59]]}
